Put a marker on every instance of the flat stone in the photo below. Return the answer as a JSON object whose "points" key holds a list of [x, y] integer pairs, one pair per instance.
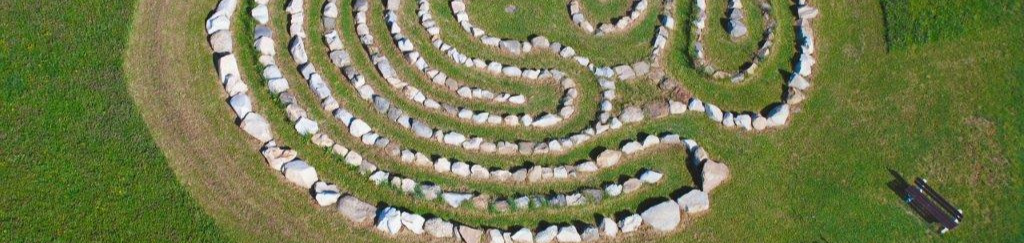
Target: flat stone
{"points": [[663, 216], [461, 169], [547, 235], [695, 201], [608, 158], [439, 228], [355, 210], [631, 223], [613, 190], [455, 199], [358, 128], [413, 222], [714, 174], [454, 138], [631, 114], [713, 112], [609, 227], [650, 177], [470, 234], [389, 220], [568, 234], [257, 127], [523, 235], [631, 185], [300, 173], [778, 115]]}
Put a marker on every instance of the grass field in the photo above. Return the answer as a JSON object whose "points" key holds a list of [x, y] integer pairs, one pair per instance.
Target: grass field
{"points": [[78, 163], [115, 128]]}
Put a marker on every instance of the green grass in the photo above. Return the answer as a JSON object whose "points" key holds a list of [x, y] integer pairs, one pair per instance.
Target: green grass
{"points": [[915, 22], [946, 110], [78, 163]]}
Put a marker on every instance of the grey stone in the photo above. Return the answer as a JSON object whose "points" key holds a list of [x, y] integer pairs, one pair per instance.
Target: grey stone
{"points": [[695, 201], [608, 158], [663, 216], [355, 210]]}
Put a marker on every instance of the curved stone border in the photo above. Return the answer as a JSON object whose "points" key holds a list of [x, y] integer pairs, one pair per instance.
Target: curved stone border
{"points": [[700, 60], [365, 132], [777, 114], [622, 23], [662, 217], [625, 71], [384, 68]]}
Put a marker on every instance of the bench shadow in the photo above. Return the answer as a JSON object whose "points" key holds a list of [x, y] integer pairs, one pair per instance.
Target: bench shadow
{"points": [[898, 185]]}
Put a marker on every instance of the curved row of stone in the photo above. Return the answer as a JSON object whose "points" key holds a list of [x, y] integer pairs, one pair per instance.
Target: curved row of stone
{"points": [[365, 132], [476, 143], [621, 23], [392, 220], [625, 71], [383, 66], [430, 191], [281, 159], [777, 114], [330, 13], [739, 29]]}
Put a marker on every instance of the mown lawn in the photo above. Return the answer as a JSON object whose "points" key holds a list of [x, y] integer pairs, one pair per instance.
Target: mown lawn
{"points": [[76, 161], [915, 22], [83, 166]]}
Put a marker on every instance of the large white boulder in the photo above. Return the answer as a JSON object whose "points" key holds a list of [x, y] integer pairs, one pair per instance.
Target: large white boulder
{"points": [[413, 222], [300, 173], [695, 201], [663, 216], [355, 210], [257, 127], [389, 220]]}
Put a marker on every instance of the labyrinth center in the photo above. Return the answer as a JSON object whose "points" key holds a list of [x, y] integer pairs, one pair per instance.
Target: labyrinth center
{"points": [[468, 135]]}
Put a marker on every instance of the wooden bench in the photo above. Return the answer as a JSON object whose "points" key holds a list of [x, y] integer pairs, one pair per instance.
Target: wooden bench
{"points": [[932, 206]]}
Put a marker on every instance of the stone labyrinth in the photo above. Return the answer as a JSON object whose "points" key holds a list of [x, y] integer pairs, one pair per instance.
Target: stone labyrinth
{"points": [[406, 113]]}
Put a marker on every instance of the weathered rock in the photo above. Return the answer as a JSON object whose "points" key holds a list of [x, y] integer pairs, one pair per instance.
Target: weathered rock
{"points": [[568, 234], [613, 190], [630, 223], [713, 112], [714, 174], [389, 220], [300, 173], [778, 115], [608, 158], [632, 114], [413, 222], [439, 228], [454, 138], [470, 234], [610, 227], [257, 127], [663, 216], [524, 235], [355, 210], [651, 177], [358, 128], [495, 236], [631, 185], [325, 194], [455, 199], [460, 169], [695, 201], [547, 235]]}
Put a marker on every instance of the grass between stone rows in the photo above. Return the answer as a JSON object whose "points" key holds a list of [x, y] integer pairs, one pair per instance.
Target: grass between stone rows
{"points": [[363, 187], [945, 110], [603, 11]]}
